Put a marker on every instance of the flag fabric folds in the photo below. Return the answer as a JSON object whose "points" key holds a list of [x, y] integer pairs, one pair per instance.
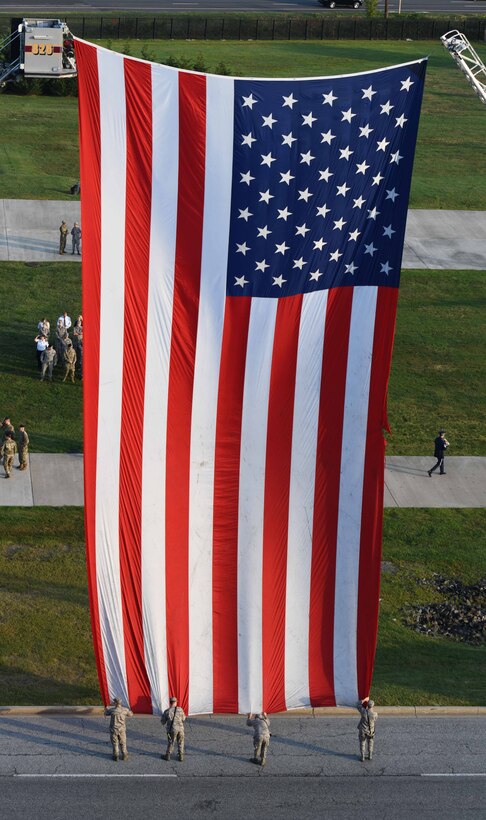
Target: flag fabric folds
{"points": [[241, 260]]}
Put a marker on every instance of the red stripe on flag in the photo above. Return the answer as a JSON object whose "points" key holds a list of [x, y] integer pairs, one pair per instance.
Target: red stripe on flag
{"points": [[373, 488], [276, 504], [90, 157], [326, 499], [187, 275], [226, 497], [138, 92]]}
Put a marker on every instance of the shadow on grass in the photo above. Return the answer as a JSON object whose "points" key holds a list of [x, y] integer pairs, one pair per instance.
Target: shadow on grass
{"points": [[22, 688], [46, 589]]}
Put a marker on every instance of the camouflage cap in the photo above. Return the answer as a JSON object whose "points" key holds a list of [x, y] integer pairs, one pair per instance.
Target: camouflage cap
{"points": [[172, 700], [118, 701]]}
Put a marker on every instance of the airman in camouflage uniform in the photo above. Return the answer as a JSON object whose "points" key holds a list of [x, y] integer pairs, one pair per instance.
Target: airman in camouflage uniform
{"points": [[49, 360], [261, 736], [69, 361], [78, 341], [118, 734], [23, 448], [63, 232], [366, 728], [7, 427], [173, 718], [8, 450], [62, 339]]}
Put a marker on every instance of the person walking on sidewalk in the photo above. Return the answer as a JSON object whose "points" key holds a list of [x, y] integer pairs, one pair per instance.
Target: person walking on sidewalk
{"points": [[366, 728], [118, 732], [23, 448], [7, 451], [440, 446], [173, 719], [261, 736]]}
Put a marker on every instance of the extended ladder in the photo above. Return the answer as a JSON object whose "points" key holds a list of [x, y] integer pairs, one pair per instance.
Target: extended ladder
{"points": [[468, 60]]}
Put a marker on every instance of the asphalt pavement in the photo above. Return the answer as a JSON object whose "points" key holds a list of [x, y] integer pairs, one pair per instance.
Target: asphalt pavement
{"points": [[427, 767], [63, 7], [434, 239]]}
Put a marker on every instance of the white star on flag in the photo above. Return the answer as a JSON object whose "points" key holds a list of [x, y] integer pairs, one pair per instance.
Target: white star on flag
{"points": [[400, 121], [358, 203], [243, 248], [339, 224], [365, 130], [268, 121], [308, 119], [373, 213], [315, 275], [351, 268], [353, 236], [328, 98], [266, 196], [345, 152], [241, 281], [299, 263], [279, 280], [323, 210], [282, 248], [264, 232], [262, 265], [248, 139], [301, 230], [370, 249], [289, 101], [327, 136], [305, 195], [288, 139], [267, 159], [342, 189], [385, 268], [319, 244], [388, 231], [325, 175], [396, 157], [306, 158], [335, 256], [382, 144], [249, 101], [246, 177], [347, 115], [392, 194], [244, 214], [386, 108], [284, 213], [362, 167], [368, 93], [286, 177], [406, 84]]}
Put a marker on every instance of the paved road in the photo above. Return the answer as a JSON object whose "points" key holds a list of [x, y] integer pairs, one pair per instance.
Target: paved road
{"points": [[423, 767], [56, 480], [449, 240], [63, 7]]}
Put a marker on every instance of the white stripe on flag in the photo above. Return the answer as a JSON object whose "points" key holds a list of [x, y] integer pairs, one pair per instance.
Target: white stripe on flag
{"points": [[301, 498], [113, 177], [355, 423], [217, 201], [251, 502], [165, 143]]}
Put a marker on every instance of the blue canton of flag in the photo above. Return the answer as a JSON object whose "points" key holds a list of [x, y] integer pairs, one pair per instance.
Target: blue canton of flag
{"points": [[321, 180]]}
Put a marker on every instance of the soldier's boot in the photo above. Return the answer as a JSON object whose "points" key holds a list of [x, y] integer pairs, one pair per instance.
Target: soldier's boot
{"points": [[166, 756], [370, 750], [362, 745], [263, 761], [181, 757], [125, 755]]}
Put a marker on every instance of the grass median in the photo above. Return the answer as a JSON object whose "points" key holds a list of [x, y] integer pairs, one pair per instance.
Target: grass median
{"points": [[45, 639], [437, 376], [38, 135]]}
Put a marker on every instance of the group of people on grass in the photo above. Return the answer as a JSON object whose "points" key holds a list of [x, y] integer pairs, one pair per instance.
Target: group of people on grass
{"points": [[64, 350]]}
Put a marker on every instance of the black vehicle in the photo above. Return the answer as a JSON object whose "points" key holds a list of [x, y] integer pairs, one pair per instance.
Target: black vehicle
{"points": [[332, 4]]}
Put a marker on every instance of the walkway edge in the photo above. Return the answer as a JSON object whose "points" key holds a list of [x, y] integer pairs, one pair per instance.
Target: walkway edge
{"points": [[328, 711]]}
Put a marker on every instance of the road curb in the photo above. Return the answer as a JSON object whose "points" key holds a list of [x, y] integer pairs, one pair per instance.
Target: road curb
{"points": [[327, 711]]}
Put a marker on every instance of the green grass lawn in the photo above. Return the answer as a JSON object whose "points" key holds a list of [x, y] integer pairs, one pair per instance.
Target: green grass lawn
{"points": [[437, 369], [38, 136], [45, 640]]}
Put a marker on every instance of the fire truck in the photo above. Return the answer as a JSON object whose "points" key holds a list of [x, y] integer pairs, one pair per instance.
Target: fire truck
{"points": [[37, 48]]}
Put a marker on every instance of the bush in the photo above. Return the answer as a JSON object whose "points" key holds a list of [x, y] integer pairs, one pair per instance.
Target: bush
{"points": [[371, 8]]}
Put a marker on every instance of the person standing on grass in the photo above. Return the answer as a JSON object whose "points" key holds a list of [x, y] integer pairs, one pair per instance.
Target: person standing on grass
{"points": [[7, 427], [7, 451], [63, 232], [366, 728], [49, 361], [41, 345], [440, 446], [23, 448], [44, 328], [69, 361]]}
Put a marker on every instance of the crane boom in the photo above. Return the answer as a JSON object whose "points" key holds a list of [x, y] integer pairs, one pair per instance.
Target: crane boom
{"points": [[467, 59]]}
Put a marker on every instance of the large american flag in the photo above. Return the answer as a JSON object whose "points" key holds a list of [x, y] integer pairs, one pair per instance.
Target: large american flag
{"points": [[241, 260]]}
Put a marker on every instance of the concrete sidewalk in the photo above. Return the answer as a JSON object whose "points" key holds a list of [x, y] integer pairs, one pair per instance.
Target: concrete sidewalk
{"points": [[449, 240], [56, 480]]}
